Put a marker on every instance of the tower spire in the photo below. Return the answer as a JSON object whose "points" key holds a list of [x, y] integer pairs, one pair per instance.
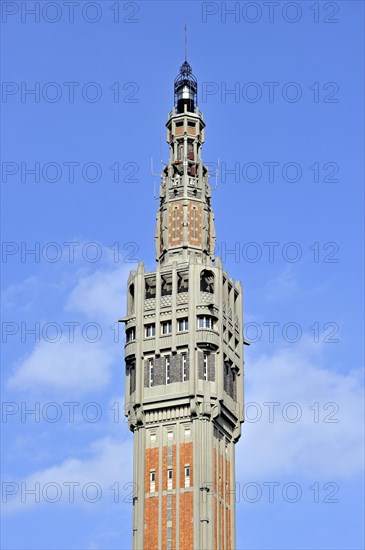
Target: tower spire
{"points": [[185, 220]]}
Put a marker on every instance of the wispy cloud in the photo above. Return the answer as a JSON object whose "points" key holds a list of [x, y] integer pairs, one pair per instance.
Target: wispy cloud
{"points": [[81, 363], [325, 441], [78, 366], [100, 295], [106, 470]]}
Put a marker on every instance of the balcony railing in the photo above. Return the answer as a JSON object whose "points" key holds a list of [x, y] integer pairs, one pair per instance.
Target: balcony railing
{"points": [[206, 298], [166, 300], [182, 297], [150, 303]]}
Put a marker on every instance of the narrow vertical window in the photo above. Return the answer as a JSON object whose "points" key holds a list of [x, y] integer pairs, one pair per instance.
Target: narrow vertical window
{"points": [[151, 372], [175, 223], [205, 367], [187, 476], [195, 224], [167, 366], [152, 481], [169, 480], [184, 367]]}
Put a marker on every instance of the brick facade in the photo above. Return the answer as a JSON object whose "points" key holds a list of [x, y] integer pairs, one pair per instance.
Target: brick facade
{"points": [[186, 521], [195, 223], [176, 217], [151, 500]]}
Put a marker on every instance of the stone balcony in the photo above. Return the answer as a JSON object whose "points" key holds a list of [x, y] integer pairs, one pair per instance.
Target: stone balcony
{"points": [[207, 338], [130, 348]]}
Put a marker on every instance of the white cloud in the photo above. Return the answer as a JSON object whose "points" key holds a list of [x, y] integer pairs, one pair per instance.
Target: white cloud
{"points": [[109, 464], [80, 366], [100, 295], [21, 296], [307, 448]]}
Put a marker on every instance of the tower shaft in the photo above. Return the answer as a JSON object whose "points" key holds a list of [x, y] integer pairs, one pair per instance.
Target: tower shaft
{"points": [[184, 359]]}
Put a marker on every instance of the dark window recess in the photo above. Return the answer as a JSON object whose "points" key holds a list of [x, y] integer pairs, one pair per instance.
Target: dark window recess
{"points": [[207, 281], [150, 288], [132, 378], [182, 282], [131, 298], [226, 377], [230, 381], [234, 386], [130, 334], [166, 285]]}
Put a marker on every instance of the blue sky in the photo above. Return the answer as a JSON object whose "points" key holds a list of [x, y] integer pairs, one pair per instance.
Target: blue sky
{"points": [[292, 212]]}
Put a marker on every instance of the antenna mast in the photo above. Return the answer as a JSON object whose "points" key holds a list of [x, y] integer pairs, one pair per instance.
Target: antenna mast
{"points": [[186, 41]]}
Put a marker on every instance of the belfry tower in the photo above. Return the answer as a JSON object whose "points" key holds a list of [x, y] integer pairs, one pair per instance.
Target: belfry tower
{"points": [[184, 358]]}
